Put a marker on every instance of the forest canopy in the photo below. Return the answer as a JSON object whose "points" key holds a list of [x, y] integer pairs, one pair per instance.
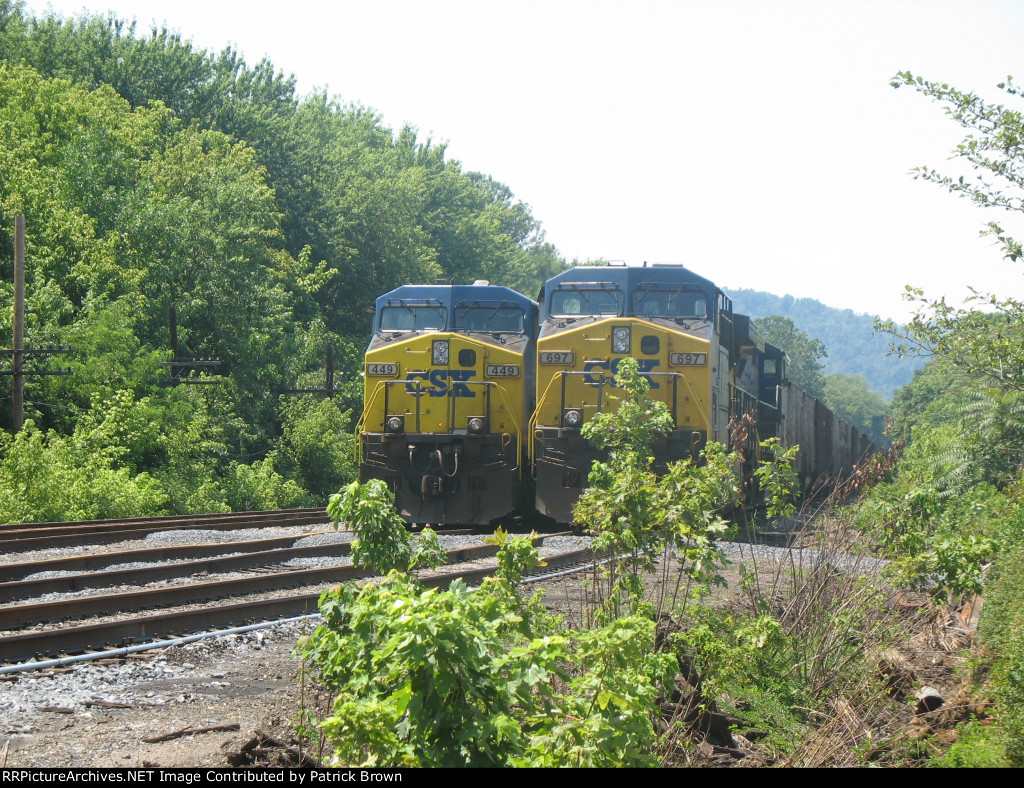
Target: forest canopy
{"points": [[153, 175]]}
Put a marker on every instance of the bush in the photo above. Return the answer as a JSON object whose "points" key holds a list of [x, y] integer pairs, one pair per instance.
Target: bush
{"points": [[430, 677], [317, 445], [977, 747], [47, 477], [1002, 631], [259, 487], [457, 677]]}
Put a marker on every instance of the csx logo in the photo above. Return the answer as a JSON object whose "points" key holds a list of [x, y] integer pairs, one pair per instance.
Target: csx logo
{"points": [[594, 379], [441, 383]]}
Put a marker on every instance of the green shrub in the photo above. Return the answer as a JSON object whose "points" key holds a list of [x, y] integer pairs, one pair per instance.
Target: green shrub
{"points": [[748, 657], [977, 747], [430, 677], [259, 487], [316, 446], [48, 477], [1002, 631], [457, 677]]}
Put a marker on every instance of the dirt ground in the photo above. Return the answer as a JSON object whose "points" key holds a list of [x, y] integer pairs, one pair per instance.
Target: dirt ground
{"points": [[219, 712], [232, 699], [237, 704]]}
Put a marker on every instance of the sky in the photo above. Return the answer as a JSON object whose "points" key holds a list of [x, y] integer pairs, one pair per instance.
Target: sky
{"points": [[758, 143]]}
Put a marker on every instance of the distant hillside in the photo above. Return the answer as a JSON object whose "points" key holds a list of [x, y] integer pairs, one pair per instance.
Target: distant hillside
{"points": [[853, 347]]}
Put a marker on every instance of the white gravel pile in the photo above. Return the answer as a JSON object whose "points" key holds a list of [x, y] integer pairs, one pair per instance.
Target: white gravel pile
{"points": [[801, 559], [204, 536], [131, 682]]}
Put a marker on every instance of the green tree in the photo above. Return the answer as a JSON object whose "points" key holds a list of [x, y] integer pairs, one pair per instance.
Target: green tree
{"points": [[316, 448], [361, 206], [130, 213], [804, 368], [850, 398], [155, 174], [932, 397], [527, 271], [984, 337]]}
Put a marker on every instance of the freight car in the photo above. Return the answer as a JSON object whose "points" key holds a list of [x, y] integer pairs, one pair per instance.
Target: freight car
{"points": [[449, 386], [475, 395]]}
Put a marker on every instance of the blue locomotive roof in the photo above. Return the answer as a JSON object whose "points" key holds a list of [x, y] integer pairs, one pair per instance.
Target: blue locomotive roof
{"points": [[451, 301], [454, 294], [627, 277]]}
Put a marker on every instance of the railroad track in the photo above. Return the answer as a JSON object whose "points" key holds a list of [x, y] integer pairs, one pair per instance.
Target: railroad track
{"points": [[22, 537], [63, 626]]}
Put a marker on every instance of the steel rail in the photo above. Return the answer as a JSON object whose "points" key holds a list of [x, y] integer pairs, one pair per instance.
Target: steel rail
{"points": [[27, 589], [60, 662], [20, 615], [24, 541], [68, 640], [94, 561], [165, 519], [81, 638]]}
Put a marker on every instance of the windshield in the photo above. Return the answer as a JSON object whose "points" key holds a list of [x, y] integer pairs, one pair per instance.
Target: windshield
{"points": [[676, 302], [572, 302], [493, 318], [409, 317]]}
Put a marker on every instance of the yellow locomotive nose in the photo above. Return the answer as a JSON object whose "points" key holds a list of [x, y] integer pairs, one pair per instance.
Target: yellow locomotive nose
{"points": [[450, 387]]}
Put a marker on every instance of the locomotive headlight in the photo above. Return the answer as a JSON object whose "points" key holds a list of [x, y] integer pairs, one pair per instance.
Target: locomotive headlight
{"points": [[572, 418], [620, 339], [394, 424], [440, 351], [476, 425]]}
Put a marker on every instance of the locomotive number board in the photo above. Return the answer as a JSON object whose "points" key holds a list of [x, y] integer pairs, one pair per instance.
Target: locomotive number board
{"points": [[688, 359], [382, 370], [556, 357], [502, 370]]}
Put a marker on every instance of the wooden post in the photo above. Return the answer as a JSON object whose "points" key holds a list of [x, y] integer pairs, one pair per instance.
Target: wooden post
{"points": [[18, 380], [172, 321]]}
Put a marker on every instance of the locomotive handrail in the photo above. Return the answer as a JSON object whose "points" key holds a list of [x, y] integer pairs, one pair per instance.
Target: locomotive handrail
{"points": [[362, 420], [677, 376], [561, 376], [515, 422], [531, 425]]}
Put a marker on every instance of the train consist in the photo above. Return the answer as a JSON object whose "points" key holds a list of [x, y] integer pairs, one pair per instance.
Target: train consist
{"points": [[475, 395]]}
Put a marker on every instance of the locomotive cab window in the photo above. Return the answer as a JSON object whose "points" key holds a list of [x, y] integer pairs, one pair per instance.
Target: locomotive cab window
{"points": [[665, 302], [496, 318], [412, 318], [572, 302], [769, 366]]}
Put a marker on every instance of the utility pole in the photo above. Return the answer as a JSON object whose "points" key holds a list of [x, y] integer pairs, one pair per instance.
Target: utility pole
{"points": [[177, 365], [18, 371], [18, 357], [329, 390]]}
